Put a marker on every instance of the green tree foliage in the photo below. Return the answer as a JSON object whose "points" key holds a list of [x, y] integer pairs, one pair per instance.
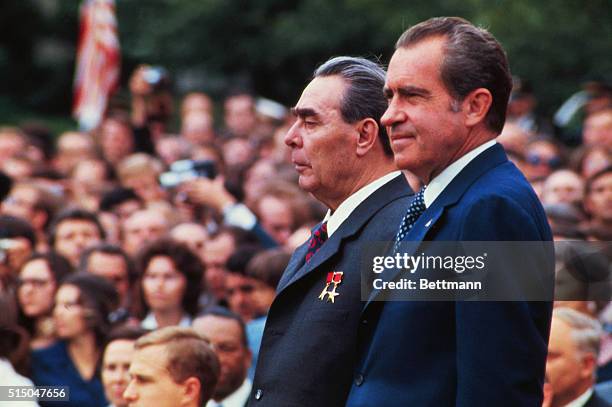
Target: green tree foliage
{"points": [[274, 45]]}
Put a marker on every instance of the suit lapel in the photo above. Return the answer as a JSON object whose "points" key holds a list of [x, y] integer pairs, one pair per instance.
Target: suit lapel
{"points": [[484, 162], [297, 268]]}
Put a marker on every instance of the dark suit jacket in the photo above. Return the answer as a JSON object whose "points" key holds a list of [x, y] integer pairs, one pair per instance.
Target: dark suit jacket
{"points": [[596, 401], [463, 353], [309, 346]]}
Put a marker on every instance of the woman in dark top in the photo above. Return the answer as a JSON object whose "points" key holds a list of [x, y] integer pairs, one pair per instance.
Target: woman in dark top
{"points": [[82, 304], [37, 283]]}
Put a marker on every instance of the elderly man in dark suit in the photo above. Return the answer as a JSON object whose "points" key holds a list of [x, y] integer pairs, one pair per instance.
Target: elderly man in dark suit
{"points": [[447, 85], [343, 158]]}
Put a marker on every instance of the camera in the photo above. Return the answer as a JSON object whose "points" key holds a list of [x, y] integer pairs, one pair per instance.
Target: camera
{"points": [[186, 170], [156, 76]]}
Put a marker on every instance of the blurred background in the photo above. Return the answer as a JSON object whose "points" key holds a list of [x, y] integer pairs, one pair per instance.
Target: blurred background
{"points": [[272, 46]]}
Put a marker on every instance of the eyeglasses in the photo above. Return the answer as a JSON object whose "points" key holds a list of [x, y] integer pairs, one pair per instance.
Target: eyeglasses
{"points": [[535, 159], [34, 282]]}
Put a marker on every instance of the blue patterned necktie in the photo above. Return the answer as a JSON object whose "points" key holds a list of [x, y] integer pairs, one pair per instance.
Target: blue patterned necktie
{"points": [[416, 208], [319, 236]]}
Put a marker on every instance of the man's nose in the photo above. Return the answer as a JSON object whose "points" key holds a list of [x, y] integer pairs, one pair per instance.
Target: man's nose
{"points": [[292, 138], [392, 115], [130, 394]]}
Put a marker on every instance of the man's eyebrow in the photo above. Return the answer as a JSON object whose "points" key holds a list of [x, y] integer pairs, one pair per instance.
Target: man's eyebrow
{"points": [[413, 91], [303, 112]]}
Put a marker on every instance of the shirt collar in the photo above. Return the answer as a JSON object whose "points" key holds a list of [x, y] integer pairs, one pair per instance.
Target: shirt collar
{"points": [[335, 219], [150, 323], [441, 181], [582, 400], [237, 399]]}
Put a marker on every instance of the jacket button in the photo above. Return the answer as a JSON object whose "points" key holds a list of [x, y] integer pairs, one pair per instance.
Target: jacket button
{"points": [[364, 321], [359, 380], [258, 394]]}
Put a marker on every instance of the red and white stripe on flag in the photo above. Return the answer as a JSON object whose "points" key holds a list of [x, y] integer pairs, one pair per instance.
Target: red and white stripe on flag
{"points": [[98, 61]]}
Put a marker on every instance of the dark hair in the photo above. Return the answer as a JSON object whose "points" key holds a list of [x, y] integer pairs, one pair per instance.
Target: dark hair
{"points": [[185, 261], [12, 227], [593, 178], [59, 267], [364, 97], [110, 249], [221, 312], [117, 196], [12, 336], [238, 260], [124, 332], [268, 266], [99, 297], [473, 59], [74, 214]]}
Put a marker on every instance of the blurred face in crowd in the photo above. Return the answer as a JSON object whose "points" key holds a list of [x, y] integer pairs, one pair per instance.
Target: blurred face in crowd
{"points": [[142, 227], [226, 337], [68, 313], [36, 288], [151, 383], [257, 176], [117, 140], [193, 235], [16, 252], [240, 291], [73, 236], [73, 147], [237, 151], [197, 127], [599, 200], [163, 285], [276, 218], [240, 115], [196, 102], [113, 268], [145, 185], [11, 143], [568, 369], [321, 141], [563, 186], [541, 159], [115, 370], [594, 161], [18, 168], [216, 253], [597, 129], [21, 202], [89, 173]]}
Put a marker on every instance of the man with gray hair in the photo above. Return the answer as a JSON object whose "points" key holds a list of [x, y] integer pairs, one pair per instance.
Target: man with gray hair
{"points": [[343, 158], [572, 359]]}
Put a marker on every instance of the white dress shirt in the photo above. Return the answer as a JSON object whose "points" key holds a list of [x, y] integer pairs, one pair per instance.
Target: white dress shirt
{"points": [[9, 377], [334, 220], [441, 181], [236, 399], [150, 323], [582, 400]]}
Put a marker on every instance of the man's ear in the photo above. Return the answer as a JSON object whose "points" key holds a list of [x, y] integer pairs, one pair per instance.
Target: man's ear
{"points": [[476, 105], [191, 390], [588, 365], [367, 130]]}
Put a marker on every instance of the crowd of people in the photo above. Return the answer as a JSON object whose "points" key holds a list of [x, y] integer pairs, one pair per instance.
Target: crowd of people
{"points": [[134, 237]]}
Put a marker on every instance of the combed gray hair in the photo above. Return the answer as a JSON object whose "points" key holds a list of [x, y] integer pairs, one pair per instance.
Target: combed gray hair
{"points": [[586, 331], [364, 97]]}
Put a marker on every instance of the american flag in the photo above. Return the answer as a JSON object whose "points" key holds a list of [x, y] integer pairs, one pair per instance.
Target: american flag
{"points": [[98, 61]]}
